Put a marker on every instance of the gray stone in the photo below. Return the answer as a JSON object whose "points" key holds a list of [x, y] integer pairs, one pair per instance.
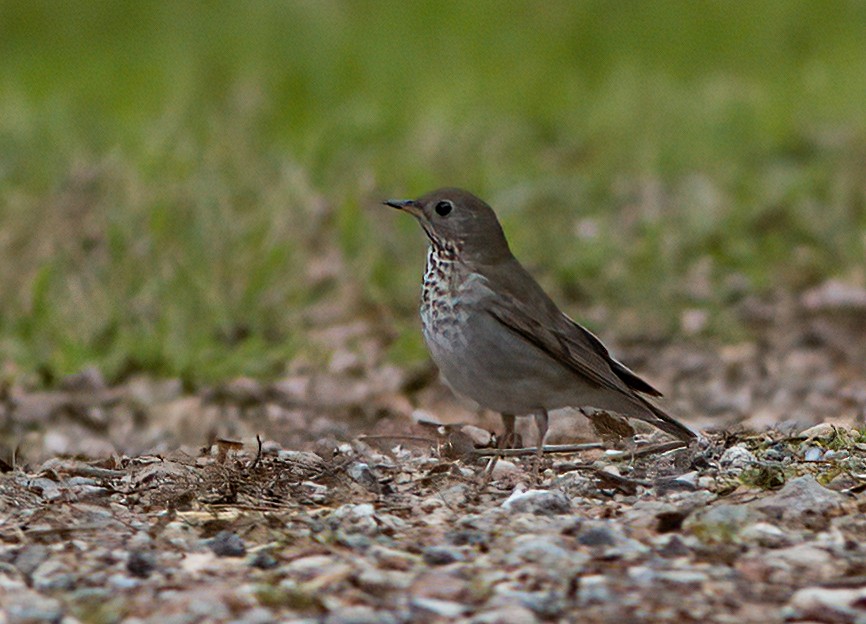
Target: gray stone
{"points": [[140, 563], [227, 544], [803, 501], [29, 558], [683, 578], [547, 551], [720, 523], [510, 614], [53, 575], [593, 590], [597, 535], [813, 454], [823, 604], [31, 608], [360, 615], [766, 535], [440, 608], [375, 581], [609, 541], [441, 555], [361, 474], [737, 458], [539, 502]]}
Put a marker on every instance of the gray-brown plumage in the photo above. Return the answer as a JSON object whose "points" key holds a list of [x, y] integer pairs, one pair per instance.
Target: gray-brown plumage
{"points": [[497, 337]]}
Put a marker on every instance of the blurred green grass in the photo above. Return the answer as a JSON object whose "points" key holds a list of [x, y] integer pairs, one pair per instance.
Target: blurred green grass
{"points": [[172, 174]]}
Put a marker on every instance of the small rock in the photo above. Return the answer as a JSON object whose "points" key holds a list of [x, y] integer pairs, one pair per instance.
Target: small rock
{"points": [[122, 582], [440, 584], [503, 469], [547, 605], [29, 558], [737, 458], [227, 544], [823, 604], [813, 454], [719, 523], [672, 546], [360, 615], [834, 295], [441, 555], [375, 581], [683, 578], [593, 590], [53, 575], [839, 455], [539, 502], [802, 501], [597, 536], [841, 482], [510, 614], [766, 535], [548, 552], [257, 615], [802, 563], [608, 542], [140, 563], [264, 560], [468, 537], [440, 608], [481, 438], [392, 558], [687, 482], [309, 567], [822, 430], [361, 474], [31, 608]]}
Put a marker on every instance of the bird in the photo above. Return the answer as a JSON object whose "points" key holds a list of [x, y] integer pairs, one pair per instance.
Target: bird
{"points": [[500, 340]]}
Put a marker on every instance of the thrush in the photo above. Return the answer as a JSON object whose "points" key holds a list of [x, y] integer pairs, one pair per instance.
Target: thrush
{"points": [[499, 339]]}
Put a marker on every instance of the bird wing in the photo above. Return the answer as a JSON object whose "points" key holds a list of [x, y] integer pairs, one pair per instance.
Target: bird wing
{"points": [[521, 305], [534, 316], [578, 349], [572, 345], [622, 371]]}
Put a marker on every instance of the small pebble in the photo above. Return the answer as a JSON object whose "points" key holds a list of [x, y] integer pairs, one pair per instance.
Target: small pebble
{"points": [[140, 563], [813, 454], [264, 560], [440, 555], [227, 544]]}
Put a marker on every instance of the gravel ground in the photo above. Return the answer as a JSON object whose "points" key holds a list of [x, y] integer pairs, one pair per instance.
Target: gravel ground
{"points": [[372, 496]]}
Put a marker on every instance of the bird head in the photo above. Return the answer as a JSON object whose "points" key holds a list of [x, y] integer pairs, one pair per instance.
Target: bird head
{"points": [[456, 220]]}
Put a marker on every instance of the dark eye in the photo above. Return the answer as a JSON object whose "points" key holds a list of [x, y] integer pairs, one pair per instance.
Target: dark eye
{"points": [[443, 208]]}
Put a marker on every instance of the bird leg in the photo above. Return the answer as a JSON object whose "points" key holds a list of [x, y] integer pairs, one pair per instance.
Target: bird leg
{"points": [[541, 421], [508, 438], [505, 441]]}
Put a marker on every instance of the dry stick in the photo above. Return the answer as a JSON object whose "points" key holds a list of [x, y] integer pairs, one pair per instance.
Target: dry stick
{"points": [[653, 449], [555, 448], [258, 453], [576, 448], [407, 438]]}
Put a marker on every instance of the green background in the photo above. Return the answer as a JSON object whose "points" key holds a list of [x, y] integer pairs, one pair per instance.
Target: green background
{"points": [[185, 186]]}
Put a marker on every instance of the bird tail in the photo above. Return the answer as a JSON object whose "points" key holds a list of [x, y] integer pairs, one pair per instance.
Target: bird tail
{"points": [[669, 424]]}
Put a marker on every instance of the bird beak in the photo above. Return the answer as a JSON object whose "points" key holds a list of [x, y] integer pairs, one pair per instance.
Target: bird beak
{"points": [[409, 205]]}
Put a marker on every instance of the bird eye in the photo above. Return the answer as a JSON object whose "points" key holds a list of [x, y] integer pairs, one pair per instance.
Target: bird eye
{"points": [[443, 208]]}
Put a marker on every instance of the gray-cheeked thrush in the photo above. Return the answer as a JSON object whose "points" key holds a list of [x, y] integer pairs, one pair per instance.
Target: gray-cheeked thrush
{"points": [[497, 337]]}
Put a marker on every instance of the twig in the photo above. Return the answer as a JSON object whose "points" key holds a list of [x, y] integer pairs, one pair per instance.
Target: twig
{"points": [[654, 449], [407, 438], [555, 448], [258, 453]]}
